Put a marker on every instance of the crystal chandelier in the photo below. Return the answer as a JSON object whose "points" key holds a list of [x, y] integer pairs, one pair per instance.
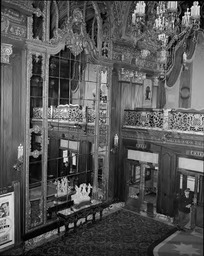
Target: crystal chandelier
{"points": [[162, 27]]}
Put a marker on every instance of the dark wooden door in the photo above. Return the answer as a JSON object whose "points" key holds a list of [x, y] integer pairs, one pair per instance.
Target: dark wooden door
{"points": [[166, 182]]}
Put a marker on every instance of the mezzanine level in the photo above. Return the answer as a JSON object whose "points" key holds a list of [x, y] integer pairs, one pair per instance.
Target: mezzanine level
{"points": [[174, 126], [180, 120]]}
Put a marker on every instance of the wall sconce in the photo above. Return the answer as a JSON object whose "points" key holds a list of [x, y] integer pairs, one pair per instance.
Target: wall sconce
{"points": [[185, 61], [20, 152], [18, 165], [115, 143]]}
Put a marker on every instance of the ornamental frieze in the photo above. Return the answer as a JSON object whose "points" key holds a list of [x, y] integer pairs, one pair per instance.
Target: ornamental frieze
{"points": [[13, 15], [163, 137], [19, 31], [13, 23], [127, 75]]}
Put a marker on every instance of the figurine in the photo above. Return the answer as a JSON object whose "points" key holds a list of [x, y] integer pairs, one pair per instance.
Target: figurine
{"points": [[82, 194]]}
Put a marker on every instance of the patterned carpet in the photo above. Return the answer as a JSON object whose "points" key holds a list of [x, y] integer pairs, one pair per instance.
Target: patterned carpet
{"points": [[122, 233]]}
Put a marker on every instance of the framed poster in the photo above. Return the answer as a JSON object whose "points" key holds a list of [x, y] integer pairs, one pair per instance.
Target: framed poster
{"points": [[6, 219]]}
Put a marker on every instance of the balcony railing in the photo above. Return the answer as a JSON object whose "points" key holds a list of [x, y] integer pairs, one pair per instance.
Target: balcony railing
{"points": [[183, 120], [71, 114]]}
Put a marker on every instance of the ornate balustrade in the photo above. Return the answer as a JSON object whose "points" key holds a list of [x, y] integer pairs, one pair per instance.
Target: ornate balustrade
{"points": [[72, 114], [182, 120], [142, 118], [186, 121]]}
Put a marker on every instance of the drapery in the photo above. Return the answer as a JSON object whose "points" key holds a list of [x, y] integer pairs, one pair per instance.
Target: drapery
{"points": [[172, 75]]}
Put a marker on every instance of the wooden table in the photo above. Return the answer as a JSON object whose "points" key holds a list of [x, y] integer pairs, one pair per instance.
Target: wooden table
{"points": [[54, 208], [72, 215]]}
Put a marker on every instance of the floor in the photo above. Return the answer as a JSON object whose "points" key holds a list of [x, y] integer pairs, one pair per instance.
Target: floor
{"points": [[181, 243], [185, 243]]}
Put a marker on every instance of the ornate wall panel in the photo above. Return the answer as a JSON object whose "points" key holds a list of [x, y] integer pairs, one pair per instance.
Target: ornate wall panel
{"points": [[13, 23]]}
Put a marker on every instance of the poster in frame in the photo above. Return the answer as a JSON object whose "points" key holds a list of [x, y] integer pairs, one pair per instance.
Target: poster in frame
{"points": [[6, 219]]}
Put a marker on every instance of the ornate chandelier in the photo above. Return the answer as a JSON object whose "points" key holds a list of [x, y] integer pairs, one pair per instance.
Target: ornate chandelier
{"points": [[162, 27]]}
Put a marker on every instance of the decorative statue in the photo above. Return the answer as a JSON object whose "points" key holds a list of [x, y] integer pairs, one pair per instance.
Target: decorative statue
{"points": [[89, 188], [82, 194], [62, 187], [83, 186]]}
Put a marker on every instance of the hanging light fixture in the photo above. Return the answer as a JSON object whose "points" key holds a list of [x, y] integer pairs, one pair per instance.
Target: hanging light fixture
{"points": [[158, 27]]}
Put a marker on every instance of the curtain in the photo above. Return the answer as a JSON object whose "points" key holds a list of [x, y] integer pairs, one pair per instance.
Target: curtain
{"points": [[172, 75]]}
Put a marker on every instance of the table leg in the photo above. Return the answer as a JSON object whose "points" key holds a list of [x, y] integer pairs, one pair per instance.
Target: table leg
{"points": [[58, 226], [75, 225], [94, 217], [101, 214], [66, 224]]}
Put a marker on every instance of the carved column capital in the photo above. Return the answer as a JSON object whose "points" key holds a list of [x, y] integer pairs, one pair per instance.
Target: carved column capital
{"points": [[6, 51]]}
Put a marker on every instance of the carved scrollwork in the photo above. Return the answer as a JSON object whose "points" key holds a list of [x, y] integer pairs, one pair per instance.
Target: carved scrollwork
{"points": [[131, 76], [74, 35], [36, 153], [6, 51], [37, 130], [74, 29], [4, 24], [13, 23], [38, 12], [35, 216]]}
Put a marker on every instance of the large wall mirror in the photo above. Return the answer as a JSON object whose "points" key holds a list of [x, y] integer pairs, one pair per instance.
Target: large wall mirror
{"points": [[67, 119], [68, 139]]}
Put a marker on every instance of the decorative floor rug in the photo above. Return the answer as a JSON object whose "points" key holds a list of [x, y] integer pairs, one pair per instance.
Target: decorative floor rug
{"points": [[180, 243], [122, 233]]}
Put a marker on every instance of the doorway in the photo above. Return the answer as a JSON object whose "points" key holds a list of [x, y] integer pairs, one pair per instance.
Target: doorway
{"points": [[150, 189], [194, 181], [141, 186]]}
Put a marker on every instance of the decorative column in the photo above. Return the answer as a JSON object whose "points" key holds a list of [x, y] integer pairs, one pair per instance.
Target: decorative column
{"points": [[97, 132], [142, 180], [6, 51], [155, 83]]}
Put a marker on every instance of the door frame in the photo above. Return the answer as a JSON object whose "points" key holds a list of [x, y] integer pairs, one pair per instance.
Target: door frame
{"points": [[197, 175], [139, 203]]}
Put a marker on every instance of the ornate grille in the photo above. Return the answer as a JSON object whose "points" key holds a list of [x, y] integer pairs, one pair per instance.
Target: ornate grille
{"points": [[164, 119], [186, 121], [147, 119]]}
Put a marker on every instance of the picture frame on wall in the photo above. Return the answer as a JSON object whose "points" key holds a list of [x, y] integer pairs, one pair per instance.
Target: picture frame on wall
{"points": [[6, 219]]}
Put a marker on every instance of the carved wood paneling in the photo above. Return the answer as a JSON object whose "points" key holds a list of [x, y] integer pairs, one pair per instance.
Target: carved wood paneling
{"points": [[11, 124]]}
